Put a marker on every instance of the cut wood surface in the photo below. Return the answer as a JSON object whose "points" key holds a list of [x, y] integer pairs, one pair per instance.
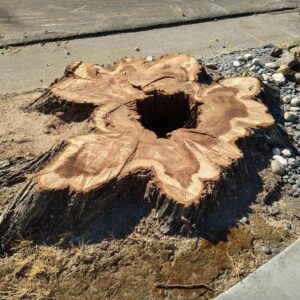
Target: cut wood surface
{"points": [[155, 115], [165, 118]]}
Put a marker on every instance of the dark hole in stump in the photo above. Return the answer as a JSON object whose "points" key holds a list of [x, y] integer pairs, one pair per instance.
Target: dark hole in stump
{"points": [[163, 114]]}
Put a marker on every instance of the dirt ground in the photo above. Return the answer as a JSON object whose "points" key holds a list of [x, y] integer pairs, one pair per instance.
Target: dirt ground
{"points": [[126, 264]]}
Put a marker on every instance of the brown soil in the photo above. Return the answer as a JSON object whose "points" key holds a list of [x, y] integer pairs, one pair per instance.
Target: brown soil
{"points": [[123, 254]]}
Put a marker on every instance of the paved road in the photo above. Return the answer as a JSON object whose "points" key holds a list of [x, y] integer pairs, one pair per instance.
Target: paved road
{"points": [[36, 66], [36, 20], [278, 279]]}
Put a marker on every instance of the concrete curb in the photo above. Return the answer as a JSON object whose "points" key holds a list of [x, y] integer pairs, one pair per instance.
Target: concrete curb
{"points": [[278, 279]]}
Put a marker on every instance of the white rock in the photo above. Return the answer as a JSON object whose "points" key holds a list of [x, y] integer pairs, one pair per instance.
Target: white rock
{"points": [[295, 109], [295, 102], [248, 56], [290, 116], [286, 99], [277, 167], [293, 162], [286, 152], [150, 58], [241, 58], [281, 159], [271, 65], [276, 151], [252, 68], [266, 77], [278, 78], [256, 61], [236, 64]]}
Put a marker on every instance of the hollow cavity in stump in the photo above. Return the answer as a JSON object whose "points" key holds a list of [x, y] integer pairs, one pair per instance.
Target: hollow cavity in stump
{"points": [[152, 118]]}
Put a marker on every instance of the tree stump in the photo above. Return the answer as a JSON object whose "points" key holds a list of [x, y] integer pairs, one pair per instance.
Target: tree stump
{"points": [[157, 125]]}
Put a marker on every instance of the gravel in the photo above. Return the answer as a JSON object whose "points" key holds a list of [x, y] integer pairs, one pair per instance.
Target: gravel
{"points": [[273, 66]]}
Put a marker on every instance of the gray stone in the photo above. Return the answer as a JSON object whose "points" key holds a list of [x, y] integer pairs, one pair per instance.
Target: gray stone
{"points": [[286, 99], [278, 78], [295, 109], [295, 102], [293, 162], [266, 250], [286, 152], [241, 59], [277, 167], [274, 250], [151, 58], [276, 151], [290, 117], [244, 220], [248, 56], [281, 159], [256, 61], [271, 65], [236, 64]]}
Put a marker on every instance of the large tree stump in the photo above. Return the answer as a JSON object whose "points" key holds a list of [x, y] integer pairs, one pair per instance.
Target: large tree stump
{"points": [[156, 126]]}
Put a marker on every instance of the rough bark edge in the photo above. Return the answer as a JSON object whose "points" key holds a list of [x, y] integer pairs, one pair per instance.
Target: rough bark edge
{"points": [[33, 212], [16, 169]]}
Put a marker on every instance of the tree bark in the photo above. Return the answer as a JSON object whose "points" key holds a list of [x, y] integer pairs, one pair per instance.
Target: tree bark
{"points": [[162, 125]]}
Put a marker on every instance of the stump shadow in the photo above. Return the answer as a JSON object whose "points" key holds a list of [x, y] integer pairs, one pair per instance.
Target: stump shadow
{"points": [[122, 216]]}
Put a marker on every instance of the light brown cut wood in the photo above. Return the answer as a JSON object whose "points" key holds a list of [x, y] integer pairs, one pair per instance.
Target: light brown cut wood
{"points": [[163, 125]]}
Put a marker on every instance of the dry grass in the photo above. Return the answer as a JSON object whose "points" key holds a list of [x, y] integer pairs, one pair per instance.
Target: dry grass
{"points": [[33, 273]]}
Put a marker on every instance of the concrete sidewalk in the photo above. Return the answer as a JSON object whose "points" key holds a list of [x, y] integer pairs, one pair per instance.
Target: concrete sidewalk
{"points": [[30, 67], [278, 279], [39, 20]]}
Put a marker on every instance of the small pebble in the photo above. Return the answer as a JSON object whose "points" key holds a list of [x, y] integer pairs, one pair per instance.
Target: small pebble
{"points": [[281, 159], [137, 49], [150, 58], [286, 152], [288, 225], [266, 250], [248, 56], [290, 117], [244, 220], [256, 61], [271, 65], [274, 250], [241, 59], [236, 64], [266, 77], [286, 99], [276, 151], [278, 78], [293, 162], [295, 102]]}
